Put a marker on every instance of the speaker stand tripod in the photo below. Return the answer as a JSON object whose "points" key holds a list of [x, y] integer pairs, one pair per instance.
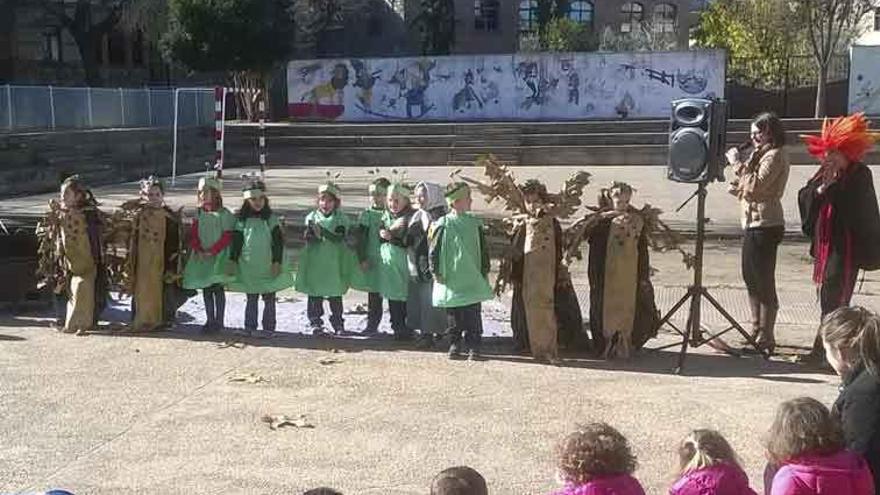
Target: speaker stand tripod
{"points": [[693, 335]]}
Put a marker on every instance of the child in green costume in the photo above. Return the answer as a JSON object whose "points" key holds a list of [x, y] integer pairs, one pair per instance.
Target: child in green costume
{"points": [[209, 239], [369, 224], [257, 258], [394, 271], [460, 264], [327, 263]]}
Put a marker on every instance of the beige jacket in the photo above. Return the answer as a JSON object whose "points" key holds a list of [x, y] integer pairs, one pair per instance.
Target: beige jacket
{"points": [[760, 187]]}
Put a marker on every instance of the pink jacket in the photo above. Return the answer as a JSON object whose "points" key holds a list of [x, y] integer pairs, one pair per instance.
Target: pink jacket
{"points": [[721, 479], [623, 484], [836, 474]]}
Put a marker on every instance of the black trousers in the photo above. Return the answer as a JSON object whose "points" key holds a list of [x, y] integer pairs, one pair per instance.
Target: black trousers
{"points": [[215, 305], [251, 310], [374, 311], [759, 263], [59, 306], [315, 312], [398, 318], [466, 321], [836, 291]]}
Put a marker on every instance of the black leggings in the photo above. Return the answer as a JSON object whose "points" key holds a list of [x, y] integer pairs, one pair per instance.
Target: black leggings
{"points": [[759, 263]]}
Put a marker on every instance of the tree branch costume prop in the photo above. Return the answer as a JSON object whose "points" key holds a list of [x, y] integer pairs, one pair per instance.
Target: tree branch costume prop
{"points": [[545, 313], [71, 253], [838, 208], [153, 265], [623, 314]]}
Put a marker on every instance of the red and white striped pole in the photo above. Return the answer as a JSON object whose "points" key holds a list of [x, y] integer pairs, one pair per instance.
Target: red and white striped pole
{"points": [[262, 138], [219, 125]]}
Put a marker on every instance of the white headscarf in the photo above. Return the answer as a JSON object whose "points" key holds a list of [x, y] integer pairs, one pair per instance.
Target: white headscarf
{"points": [[434, 198]]}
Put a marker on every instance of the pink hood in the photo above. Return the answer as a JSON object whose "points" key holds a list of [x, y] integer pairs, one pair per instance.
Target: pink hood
{"points": [[613, 485], [835, 474], [721, 479]]}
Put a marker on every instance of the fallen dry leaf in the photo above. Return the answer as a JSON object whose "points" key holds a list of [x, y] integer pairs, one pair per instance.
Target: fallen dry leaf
{"points": [[247, 378], [236, 344], [278, 421]]}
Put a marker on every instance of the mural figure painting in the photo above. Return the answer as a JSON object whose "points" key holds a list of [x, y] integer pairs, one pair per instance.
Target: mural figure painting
{"points": [[864, 80], [502, 87]]}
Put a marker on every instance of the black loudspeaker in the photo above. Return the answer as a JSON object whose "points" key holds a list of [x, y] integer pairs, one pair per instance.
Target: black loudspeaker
{"points": [[696, 140]]}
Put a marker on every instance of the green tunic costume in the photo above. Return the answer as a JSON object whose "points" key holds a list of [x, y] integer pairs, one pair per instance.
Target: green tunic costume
{"points": [[327, 264], [370, 222], [394, 272], [206, 270], [459, 260], [254, 273]]}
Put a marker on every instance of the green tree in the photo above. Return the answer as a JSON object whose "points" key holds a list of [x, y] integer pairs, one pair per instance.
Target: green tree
{"points": [[759, 36], [830, 26], [435, 25], [243, 38], [565, 35]]}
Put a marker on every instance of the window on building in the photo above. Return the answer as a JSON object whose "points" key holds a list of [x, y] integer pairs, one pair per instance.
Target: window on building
{"points": [[52, 45], [399, 7], [486, 15], [528, 16], [632, 13], [116, 49], [699, 5], [137, 49], [877, 20], [581, 12], [665, 18]]}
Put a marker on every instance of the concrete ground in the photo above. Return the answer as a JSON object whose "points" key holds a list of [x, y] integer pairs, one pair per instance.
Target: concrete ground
{"points": [[116, 413]]}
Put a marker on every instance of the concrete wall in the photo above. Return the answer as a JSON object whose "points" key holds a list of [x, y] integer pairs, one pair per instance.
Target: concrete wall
{"points": [[502, 87], [864, 79], [33, 162]]}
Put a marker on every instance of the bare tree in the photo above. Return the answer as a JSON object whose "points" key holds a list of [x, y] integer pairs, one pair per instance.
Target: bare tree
{"points": [[831, 25]]}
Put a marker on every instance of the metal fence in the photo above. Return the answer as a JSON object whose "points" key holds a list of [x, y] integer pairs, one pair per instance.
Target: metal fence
{"points": [[49, 107]]}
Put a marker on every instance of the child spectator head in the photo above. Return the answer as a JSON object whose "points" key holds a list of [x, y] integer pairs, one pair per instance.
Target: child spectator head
{"points": [[594, 450], [460, 480], [851, 336], [704, 448], [322, 491], [803, 426]]}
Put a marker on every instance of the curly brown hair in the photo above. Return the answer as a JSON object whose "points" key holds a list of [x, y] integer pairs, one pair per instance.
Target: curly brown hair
{"points": [[595, 449], [803, 426]]}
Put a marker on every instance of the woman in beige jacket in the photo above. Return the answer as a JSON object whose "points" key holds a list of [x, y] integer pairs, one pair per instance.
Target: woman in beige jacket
{"points": [[759, 185]]}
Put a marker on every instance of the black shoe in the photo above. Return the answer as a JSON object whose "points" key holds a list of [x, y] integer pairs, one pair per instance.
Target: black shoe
{"points": [[370, 331], [426, 341], [318, 332]]}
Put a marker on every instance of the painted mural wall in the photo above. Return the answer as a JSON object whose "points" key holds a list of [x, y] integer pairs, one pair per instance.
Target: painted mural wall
{"points": [[502, 87], [864, 79]]}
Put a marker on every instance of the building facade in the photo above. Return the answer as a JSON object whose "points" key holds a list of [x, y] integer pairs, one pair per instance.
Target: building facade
{"points": [[870, 29]]}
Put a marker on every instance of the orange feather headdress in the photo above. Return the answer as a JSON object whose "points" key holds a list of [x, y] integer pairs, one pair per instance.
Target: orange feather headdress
{"points": [[849, 135]]}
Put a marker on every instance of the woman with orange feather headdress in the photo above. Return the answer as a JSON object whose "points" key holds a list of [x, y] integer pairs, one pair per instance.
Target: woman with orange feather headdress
{"points": [[839, 212]]}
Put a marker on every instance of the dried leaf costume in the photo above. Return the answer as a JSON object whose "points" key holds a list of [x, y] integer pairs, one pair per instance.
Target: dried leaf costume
{"points": [[154, 263], [623, 314], [545, 312], [71, 255], [839, 212]]}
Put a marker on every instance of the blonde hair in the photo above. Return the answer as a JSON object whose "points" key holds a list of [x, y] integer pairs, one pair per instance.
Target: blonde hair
{"points": [[704, 448], [855, 331]]}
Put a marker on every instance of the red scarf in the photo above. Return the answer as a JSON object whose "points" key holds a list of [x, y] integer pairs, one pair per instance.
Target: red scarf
{"points": [[823, 251]]}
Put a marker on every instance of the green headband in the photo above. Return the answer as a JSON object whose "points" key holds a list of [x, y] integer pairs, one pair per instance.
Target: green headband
{"points": [[376, 189], [398, 188], [209, 182], [460, 190], [329, 188]]}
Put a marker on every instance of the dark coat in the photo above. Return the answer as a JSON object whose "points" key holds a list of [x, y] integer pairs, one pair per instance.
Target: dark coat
{"points": [[854, 211], [858, 407]]}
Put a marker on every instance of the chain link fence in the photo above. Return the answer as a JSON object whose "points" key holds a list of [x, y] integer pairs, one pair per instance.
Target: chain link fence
{"points": [[49, 107]]}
